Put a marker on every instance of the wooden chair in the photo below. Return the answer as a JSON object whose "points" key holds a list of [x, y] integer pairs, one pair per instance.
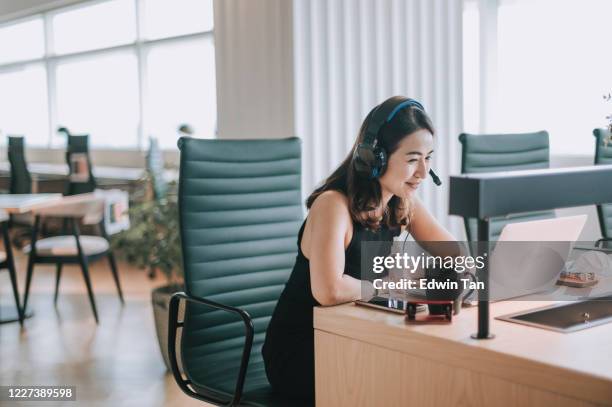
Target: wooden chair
{"points": [[73, 248], [80, 177], [20, 183]]}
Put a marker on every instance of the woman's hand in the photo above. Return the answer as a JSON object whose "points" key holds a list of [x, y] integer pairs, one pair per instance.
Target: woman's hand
{"points": [[368, 291], [430, 234]]}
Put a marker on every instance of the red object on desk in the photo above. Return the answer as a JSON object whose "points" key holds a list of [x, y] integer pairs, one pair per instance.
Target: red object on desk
{"points": [[446, 317]]}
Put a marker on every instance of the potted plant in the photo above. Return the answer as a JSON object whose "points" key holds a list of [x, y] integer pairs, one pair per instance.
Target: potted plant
{"points": [[153, 242]]}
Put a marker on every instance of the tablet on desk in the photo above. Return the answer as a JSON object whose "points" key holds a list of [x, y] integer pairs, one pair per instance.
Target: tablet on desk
{"points": [[603, 246], [388, 304]]}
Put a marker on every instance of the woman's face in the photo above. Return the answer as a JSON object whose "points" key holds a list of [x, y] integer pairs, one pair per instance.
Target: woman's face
{"points": [[408, 166]]}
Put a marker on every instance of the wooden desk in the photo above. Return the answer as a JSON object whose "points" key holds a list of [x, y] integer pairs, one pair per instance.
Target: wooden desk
{"points": [[371, 358]]}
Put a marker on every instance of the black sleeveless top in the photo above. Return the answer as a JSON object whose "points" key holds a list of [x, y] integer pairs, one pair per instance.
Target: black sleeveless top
{"points": [[288, 350]]}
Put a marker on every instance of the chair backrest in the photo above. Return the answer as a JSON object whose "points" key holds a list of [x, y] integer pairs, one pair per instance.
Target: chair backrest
{"points": [[155, 169], [603, 155], [240, 211], [21, 180], [503, 152], [80, 174]]}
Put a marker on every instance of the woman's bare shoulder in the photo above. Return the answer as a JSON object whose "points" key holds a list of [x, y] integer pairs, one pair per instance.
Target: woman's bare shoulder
{"points": [[328, 220], [330, 202]]}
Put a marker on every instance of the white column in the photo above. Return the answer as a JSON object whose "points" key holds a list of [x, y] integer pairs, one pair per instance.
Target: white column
{"points": [[488, 64], [254, 63]]}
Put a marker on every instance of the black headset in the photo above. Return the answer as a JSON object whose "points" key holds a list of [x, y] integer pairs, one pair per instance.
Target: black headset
{"points": [[369, 159]]}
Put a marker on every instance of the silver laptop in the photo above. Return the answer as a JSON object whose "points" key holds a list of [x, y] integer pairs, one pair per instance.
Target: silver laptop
{"points": [[529, 256]]}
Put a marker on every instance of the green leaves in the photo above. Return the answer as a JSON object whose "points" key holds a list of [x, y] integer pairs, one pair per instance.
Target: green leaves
{"points": [[153, 240]]}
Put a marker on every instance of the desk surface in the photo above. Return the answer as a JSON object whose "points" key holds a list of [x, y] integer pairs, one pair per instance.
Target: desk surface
{"points": [[102, 172], [99, 172], [22, 203], [577, 364]]}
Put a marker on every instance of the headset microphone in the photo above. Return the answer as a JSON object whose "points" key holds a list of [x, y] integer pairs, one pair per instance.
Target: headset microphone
{"points": [[435, 178]]}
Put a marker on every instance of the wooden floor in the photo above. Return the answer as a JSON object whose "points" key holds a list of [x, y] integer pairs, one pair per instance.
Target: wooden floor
{"points": [[115, 363]]}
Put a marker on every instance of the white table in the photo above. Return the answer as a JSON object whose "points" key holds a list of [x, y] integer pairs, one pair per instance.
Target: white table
{"points": [[101, 172], [23, 203]]}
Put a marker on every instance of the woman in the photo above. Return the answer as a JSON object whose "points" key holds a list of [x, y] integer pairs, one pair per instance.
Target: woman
{"points": [[371, 196]]}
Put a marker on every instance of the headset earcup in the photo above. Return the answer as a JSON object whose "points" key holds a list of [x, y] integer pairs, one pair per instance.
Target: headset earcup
{"points": [[380, 164], [370, 162], [360, 165]]}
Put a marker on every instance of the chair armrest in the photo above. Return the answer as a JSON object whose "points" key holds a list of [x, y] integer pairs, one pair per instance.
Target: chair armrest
{"points": [[603, 239], [174, 324]]}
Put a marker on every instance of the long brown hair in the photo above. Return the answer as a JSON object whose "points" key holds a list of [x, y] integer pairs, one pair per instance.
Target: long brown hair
{"points": [[364, 194]]}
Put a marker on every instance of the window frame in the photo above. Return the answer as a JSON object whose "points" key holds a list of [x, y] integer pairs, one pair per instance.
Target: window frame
{"points": [[139, 47]]}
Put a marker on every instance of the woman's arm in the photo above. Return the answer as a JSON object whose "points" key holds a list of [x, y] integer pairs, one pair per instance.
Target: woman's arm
{"points": [[425, 228], [329, 222]]}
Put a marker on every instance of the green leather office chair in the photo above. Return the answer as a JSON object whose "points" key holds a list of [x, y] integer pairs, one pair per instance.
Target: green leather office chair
{"points": [[503, 152], [240, 211], [603, 155]]}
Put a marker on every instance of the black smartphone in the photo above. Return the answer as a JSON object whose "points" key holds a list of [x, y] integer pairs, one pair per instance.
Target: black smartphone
{"points": [[388, 304]]}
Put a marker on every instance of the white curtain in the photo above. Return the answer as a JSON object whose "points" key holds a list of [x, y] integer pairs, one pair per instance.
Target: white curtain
{"points": [[350, 55]]}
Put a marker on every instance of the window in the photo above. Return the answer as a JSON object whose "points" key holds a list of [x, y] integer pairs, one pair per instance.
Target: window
{"points": [[99, 96], [162, 18], [22, 41], [97, 26], [23, 105], [118, 70], [552, 70], [181, 99]]}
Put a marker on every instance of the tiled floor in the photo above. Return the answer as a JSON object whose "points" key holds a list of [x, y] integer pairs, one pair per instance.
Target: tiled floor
{"points": [[115, 363]]}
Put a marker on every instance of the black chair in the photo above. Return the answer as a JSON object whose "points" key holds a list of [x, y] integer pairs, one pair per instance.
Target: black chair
{"points": [[155, 169], [20, 180], [20, 183], [240, 211], [603, 155], [80, 175], [86, 209], [503, 152], [7, 262]]}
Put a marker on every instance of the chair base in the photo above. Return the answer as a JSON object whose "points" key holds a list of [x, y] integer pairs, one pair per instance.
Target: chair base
{"points": [[9, 315]]}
